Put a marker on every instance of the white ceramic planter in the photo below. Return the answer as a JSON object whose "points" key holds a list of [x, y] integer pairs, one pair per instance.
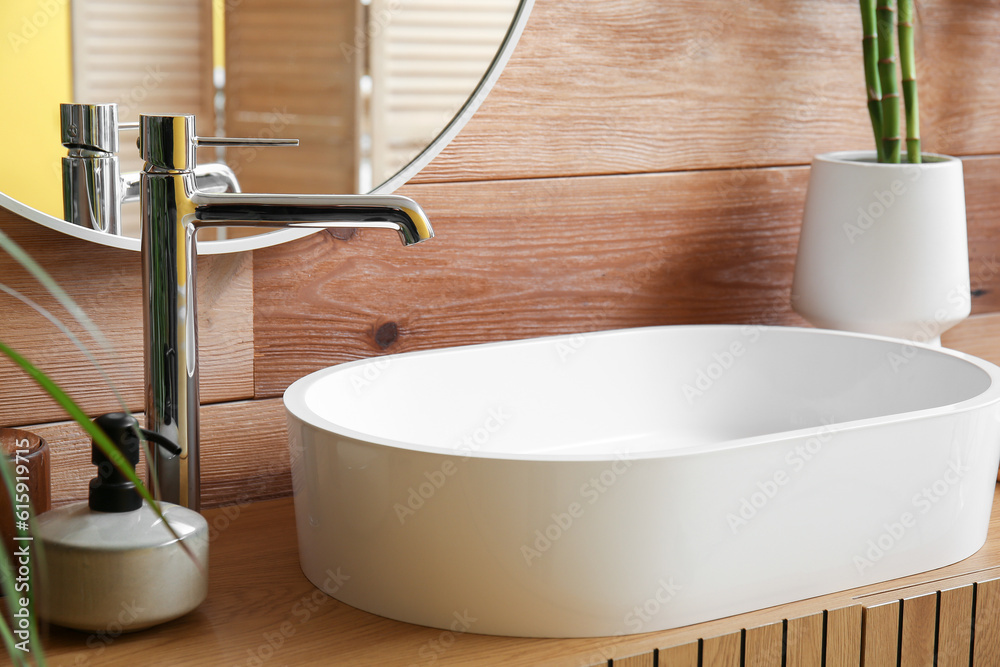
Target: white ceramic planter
{"points": [[884, 248]]}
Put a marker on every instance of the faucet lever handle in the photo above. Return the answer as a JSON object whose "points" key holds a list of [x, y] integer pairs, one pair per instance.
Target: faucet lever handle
{"points": [[243, 141]]}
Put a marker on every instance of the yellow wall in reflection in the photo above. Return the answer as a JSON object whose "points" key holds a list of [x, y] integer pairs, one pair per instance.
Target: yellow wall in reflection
{"points": [[35, 76]]}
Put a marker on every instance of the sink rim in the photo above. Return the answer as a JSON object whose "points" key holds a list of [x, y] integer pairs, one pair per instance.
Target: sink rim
{"points": [[294, 399]]}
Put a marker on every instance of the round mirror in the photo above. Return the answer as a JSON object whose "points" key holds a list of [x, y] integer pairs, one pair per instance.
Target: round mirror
{"points": [[373, 89]]}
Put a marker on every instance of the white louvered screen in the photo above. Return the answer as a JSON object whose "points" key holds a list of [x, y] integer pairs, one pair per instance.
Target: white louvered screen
{"points": [[426, 57], [152, 56]]}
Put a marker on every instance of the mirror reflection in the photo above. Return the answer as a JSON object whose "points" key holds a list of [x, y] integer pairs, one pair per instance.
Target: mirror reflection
{"points": [[365, 85]]}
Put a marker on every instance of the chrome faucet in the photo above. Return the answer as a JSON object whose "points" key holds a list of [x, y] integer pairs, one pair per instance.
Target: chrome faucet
{"points": [[94, 188], [173, 209]]}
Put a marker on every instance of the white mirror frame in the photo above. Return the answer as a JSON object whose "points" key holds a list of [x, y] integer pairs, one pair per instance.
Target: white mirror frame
{"points": [[284, 235]]}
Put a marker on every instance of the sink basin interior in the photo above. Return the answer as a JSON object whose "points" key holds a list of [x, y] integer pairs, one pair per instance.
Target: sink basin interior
{"points": [[710, 387]]}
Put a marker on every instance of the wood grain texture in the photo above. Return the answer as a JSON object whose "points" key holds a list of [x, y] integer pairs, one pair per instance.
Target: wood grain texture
{"points": [[106, 284], [644, 660], [686, 248], [955, 627], [244, 455], [976, 336], [747, 84], [764, 646], [986, 637], [880, 635], [260, 606], [804, 641], [685, 655], [919, 632], [723, 651], [293, 70], [699, 247], [843, 636]]}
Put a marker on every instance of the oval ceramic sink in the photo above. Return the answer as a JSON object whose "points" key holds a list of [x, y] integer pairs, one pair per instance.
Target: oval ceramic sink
{"points": [[636, 480]]}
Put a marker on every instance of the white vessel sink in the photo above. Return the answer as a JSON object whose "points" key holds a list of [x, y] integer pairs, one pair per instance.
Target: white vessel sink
{"points": [[631, 481]]}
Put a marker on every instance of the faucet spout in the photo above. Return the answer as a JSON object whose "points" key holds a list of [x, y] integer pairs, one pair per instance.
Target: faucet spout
{"points": [[173, 209], [401, 214]]}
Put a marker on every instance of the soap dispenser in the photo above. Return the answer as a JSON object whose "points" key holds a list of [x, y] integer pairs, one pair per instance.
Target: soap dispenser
{"points": [[111, 563]]}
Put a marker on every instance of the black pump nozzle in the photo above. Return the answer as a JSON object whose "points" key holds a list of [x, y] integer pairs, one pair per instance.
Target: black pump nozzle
{"points": [[111, 491]]}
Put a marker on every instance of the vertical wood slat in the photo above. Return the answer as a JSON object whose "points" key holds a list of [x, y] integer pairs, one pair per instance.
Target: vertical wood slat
{"points": [[880, 635], [955, 627], [843, 637], [919, 630], [722, 651], [986, 640], [642, 660], [764, 646], [804, 641], [685, 655]]}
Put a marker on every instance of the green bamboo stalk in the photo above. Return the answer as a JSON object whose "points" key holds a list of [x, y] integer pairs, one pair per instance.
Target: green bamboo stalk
{"points": [[886, 14], [869, 46], [908, 69]]}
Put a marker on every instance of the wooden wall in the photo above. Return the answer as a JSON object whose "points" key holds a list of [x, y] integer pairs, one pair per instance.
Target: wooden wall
{"points": [[639, 162]]}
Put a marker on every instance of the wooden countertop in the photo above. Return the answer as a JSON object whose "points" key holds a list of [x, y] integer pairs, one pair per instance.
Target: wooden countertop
{"points": [[261, 610]]}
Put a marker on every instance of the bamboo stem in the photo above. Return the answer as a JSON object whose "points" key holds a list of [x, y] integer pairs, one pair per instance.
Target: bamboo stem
{"points": [[886, 15], [869, 46], [908, 68]]}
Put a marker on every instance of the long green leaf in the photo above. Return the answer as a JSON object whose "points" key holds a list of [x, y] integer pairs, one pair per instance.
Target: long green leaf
{"points": [[27, 594], [99, 437]]}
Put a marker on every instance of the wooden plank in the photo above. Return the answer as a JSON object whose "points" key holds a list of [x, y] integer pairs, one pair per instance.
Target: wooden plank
{"points": [[256, 585], [244, 455], [310, 92], [722, 651], [644, 660], [685, 655], [764, 646], [843, 636], [702, 254], [880, 635], [720, 248], [919, 630], [976, 336], [986, 637], [109, 290], [955, 627], [804, 641], [639, 109]]}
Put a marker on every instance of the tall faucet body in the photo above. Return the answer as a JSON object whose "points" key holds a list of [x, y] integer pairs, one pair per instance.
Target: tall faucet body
{"points": [[173, 209]]}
